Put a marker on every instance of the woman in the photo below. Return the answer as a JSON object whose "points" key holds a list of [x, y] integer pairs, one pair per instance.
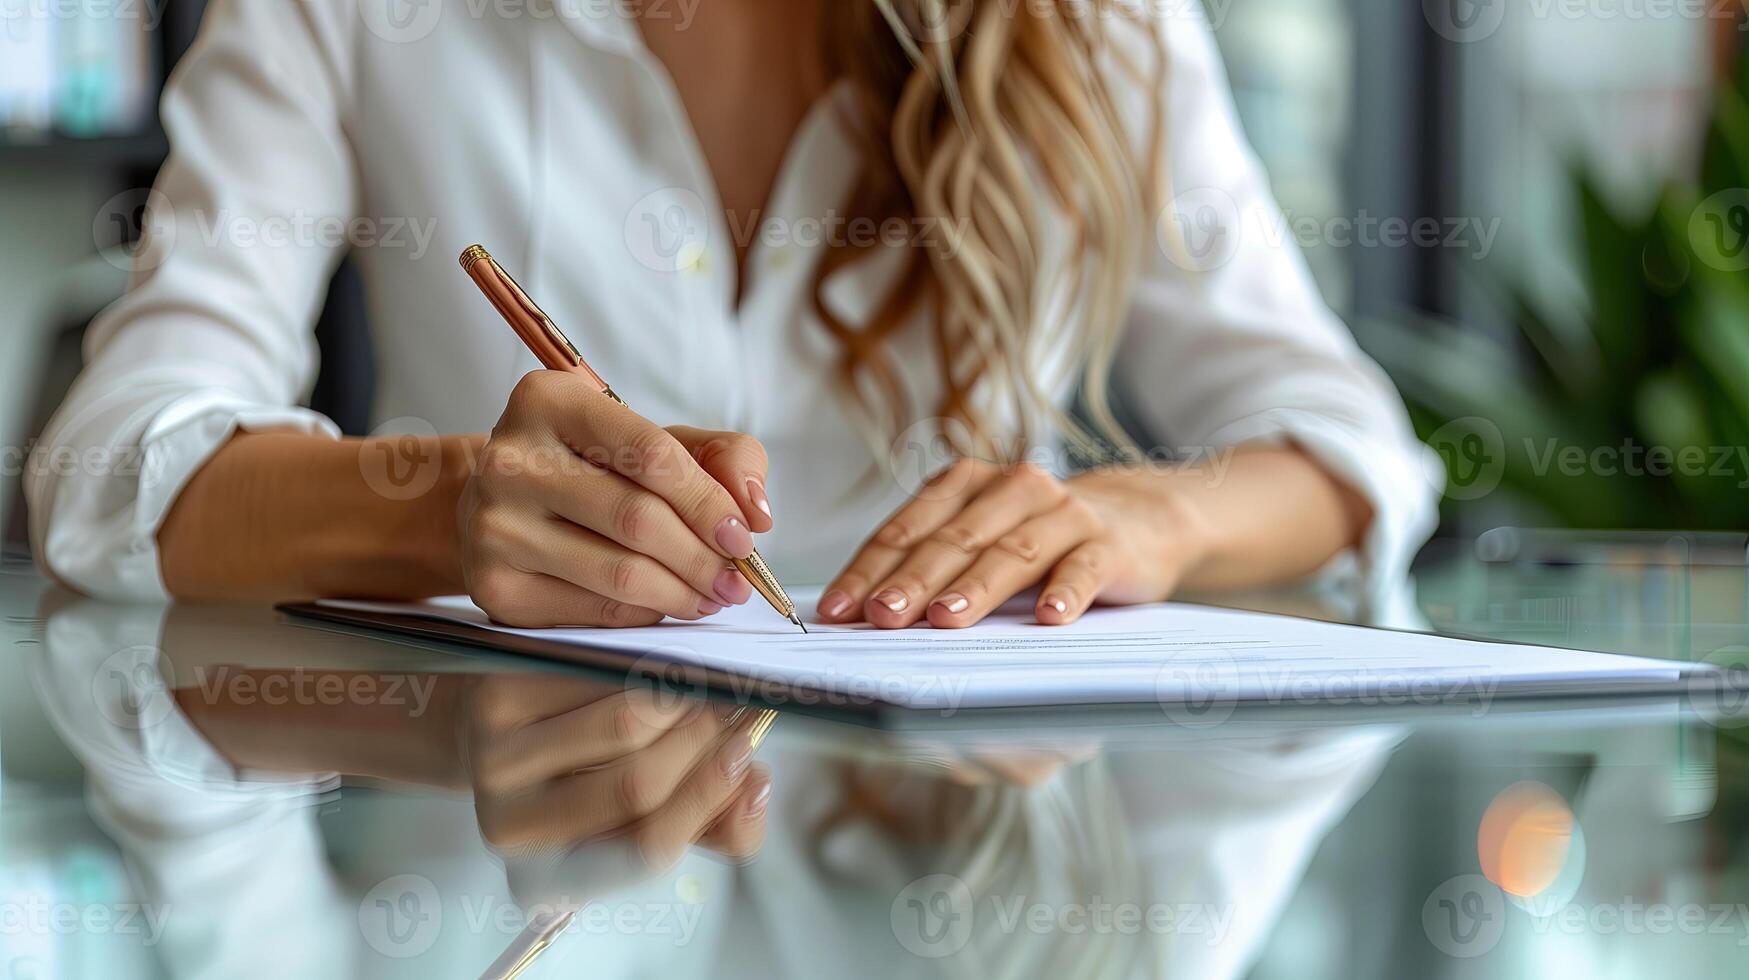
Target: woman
{"points": [[648, 171]]}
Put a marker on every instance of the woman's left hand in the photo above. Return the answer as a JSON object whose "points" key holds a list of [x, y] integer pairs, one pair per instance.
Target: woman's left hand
{"points": [[977, 535]]}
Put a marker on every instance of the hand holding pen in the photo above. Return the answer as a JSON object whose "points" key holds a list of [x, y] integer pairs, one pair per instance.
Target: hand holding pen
{"points": [[637, 532], [584, 513]]}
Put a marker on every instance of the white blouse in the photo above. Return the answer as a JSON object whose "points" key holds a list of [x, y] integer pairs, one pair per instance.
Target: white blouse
{"points": [[409, 131]]}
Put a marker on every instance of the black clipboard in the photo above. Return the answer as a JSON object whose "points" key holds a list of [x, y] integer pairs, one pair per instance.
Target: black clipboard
{"points": [[696, 681]]}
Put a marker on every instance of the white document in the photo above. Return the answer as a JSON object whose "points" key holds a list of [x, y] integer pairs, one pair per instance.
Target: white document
{"points": [[1182, 657]]}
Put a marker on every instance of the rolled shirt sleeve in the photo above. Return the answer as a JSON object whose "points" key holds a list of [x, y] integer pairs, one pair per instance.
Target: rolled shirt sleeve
{"points": [[1228, 340], [215, 333]]}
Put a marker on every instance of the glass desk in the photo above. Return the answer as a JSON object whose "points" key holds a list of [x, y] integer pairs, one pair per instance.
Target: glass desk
{"points": [[225, 792]]}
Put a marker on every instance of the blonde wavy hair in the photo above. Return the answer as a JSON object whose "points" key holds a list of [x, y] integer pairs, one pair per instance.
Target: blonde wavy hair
{"points": [[995, 120]]}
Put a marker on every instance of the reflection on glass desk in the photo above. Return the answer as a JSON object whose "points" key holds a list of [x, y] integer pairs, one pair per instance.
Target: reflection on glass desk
{"points": [[213, 791]]}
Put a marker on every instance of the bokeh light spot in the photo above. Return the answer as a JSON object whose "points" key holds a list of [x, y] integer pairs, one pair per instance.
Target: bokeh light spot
{"points": [[1525, 838]]}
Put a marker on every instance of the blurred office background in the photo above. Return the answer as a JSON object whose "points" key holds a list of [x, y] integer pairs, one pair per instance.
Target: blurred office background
{"points": [[1505, 202], [1582, 165]]}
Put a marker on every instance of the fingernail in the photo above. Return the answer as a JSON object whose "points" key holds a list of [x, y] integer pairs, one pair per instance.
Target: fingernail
{"points": [[737, 756], [709, 608], [954, 603], [1055, 603], [756, 491], [834, 604], [761, 798], [893, 599], [731, 587], [734, 538]]}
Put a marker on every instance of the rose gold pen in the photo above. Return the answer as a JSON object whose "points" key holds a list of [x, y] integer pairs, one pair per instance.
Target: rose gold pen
{"points": [[557, 353]]}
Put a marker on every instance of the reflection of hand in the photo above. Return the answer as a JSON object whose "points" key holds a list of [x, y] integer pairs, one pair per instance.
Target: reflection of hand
{"points": [[979, 535], [583, 787]]}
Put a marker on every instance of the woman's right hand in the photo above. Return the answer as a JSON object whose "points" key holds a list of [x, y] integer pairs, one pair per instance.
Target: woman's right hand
{"points": [[583, 513]]}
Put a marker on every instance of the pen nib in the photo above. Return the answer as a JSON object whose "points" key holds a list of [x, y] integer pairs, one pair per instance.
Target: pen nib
{"points": [[797, 619]]}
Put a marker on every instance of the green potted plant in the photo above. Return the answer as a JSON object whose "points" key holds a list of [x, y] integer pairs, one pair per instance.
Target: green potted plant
{"points": [[1635, 412]]}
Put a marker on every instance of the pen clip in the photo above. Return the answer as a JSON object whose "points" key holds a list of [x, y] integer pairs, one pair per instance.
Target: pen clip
{"points": [[561, 343], [553, 333], [549, 344]]}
